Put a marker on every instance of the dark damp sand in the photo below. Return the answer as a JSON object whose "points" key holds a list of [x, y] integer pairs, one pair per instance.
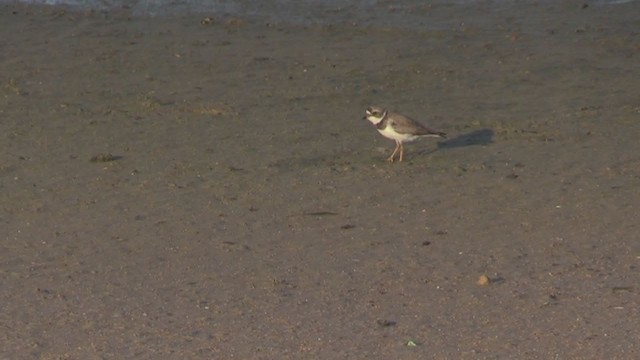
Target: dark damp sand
{"points": [[248, 212]]}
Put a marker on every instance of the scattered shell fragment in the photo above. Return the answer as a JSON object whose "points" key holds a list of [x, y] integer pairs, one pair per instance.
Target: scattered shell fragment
{"points": [[210, 110], [234, 22]]}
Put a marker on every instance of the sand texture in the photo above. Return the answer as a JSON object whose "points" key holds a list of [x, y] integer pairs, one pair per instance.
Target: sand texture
{"points": [[179, 188]]}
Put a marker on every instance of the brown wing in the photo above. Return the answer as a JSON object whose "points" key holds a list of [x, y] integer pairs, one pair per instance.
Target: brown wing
{"points": [[406, 125]]}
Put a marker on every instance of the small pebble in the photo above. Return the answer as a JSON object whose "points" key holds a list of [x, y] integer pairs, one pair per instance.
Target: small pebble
{"points": [[103, 158], [385, 323], [207, 21], [484, 280]]}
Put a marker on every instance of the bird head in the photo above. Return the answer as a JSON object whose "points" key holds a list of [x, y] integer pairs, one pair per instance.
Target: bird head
{"points": [[375, 114]]}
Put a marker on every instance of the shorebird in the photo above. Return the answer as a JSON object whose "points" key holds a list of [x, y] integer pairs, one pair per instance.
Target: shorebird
{"points": [[399, 128]]}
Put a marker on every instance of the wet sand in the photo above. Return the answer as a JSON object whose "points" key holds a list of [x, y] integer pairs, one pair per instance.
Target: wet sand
{"points": [[238, 207]]}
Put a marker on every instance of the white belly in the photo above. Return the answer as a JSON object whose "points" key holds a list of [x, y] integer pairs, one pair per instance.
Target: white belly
{"points": [[389, 133]]}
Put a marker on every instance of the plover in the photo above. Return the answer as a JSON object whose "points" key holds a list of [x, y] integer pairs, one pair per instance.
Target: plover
{"points": [[399, 128]]}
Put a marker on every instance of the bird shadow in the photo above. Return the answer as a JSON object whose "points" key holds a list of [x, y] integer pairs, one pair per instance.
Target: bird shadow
{"points": [[477, 137]]}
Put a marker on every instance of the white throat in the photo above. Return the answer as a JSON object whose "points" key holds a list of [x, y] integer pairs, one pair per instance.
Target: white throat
{"points": [[375, 120]]}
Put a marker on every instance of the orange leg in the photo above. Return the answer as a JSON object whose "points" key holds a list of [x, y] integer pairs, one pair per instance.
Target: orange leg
{"points": [[391, 158]]}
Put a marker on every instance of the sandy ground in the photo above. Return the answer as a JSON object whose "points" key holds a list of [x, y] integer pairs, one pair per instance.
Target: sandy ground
{"points": [[178, 190]]}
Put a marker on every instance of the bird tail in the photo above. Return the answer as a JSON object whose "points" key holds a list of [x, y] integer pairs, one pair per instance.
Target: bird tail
{"points": [[430, 132]]}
